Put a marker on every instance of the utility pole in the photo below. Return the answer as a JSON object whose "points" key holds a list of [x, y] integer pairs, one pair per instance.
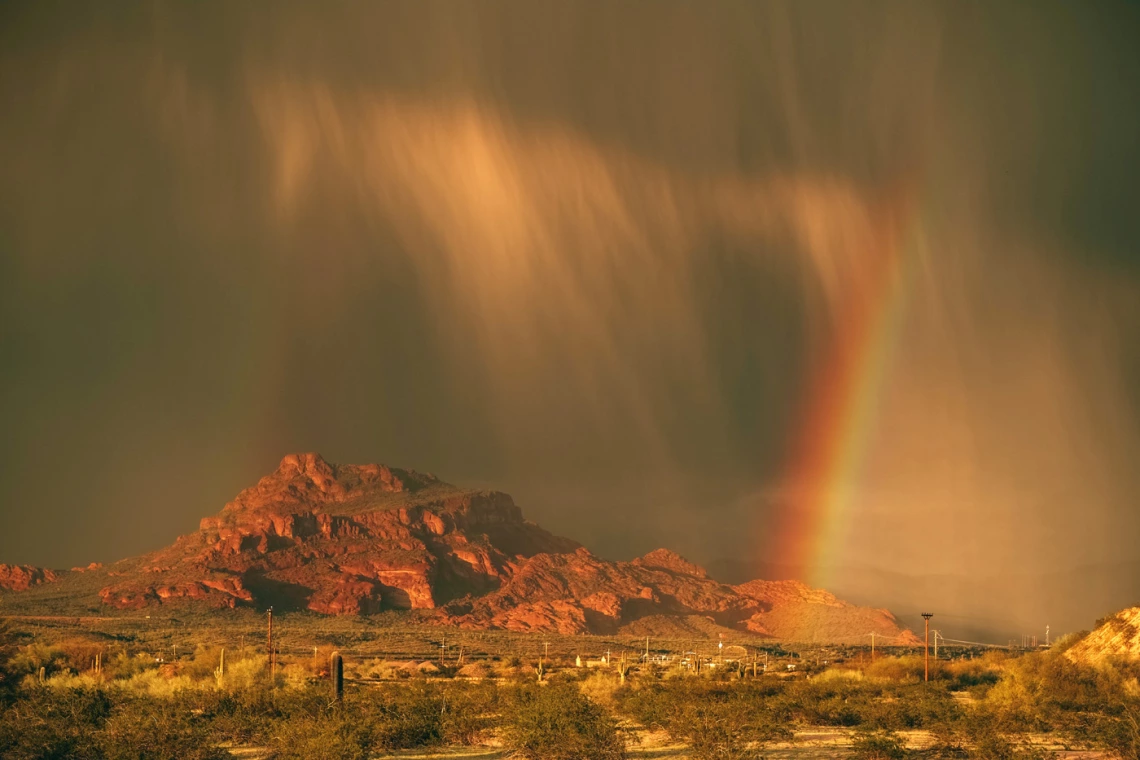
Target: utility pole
{"points": [[936, 635], [926, 657], [872, 646], [647, 649]]}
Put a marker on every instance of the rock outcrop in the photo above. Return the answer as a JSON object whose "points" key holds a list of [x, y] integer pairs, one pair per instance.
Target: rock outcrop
{"points": [[359, 539], [23, 577]]}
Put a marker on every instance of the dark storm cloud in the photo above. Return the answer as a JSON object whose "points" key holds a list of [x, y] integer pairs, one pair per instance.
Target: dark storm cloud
{"points": [[586, 253]]}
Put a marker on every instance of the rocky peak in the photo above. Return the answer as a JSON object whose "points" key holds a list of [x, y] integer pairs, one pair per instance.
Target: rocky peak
{"points": [[664, 559], [307, 481]]}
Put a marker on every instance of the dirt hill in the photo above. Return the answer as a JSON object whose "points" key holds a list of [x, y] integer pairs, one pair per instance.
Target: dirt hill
{"points": [[358, 539]]}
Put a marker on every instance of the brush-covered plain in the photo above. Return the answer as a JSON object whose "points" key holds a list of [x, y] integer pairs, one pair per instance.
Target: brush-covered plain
{"points": [[73, 696]]}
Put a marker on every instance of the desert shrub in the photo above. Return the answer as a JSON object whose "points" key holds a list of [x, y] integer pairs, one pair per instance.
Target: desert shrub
{"points": [[27, 660], [839, 674], [46, 724], [241, 715], [556, 722], [156, 729], [469, 712], [975, 676], [80, 654], [7, 649], [200, 665], [328, 735], [249, 674], [150, 683], [1046, 691], [906, 668], [911, 706], [725, 729], [402, 717], [295, 676], [716, 719], [878, 745], [988, 741], [600, 687], [123, 665], [651, 706], [1068, 641], [828, 703]]}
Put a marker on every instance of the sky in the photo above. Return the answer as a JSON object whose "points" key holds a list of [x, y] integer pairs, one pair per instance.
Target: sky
{"points": [[841, 291]]}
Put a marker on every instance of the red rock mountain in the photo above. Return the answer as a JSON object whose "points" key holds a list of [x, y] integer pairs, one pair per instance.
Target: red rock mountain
{"points": [[353, 539]]}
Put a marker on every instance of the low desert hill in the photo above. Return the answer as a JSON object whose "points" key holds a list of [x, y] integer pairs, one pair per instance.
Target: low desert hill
{"points": [[360, 539], [1115, 637]]}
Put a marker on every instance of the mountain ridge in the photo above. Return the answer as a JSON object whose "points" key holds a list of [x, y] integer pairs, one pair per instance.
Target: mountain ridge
{"points": [[361, 539]]}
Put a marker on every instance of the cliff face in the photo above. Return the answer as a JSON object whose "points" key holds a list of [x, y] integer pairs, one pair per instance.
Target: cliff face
{"points": [[358, 539]]}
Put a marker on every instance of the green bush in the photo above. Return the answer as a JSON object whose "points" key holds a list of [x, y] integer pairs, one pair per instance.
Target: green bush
{"points": [[49, 725], [718, 720], [555, 722], [327, 735], [879, 745], [469, 712], [156, 729], [403, 717]]}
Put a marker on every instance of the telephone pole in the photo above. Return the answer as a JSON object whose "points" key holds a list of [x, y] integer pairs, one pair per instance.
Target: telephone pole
{"points": [[926, 657]]}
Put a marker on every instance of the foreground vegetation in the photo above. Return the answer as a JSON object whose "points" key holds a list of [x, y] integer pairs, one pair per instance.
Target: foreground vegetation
{"points": [[79, 699]]}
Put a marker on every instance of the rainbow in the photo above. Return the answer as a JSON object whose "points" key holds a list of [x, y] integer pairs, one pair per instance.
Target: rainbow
{"points": [[842, 404]]}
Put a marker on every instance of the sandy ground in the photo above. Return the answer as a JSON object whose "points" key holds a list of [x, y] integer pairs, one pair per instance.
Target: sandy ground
{"points": [[810, 744]]}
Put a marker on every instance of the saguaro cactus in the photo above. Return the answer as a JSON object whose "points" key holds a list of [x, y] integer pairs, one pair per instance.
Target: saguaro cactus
{"points": [[220, 671], [337, 674], [623, 668]]}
